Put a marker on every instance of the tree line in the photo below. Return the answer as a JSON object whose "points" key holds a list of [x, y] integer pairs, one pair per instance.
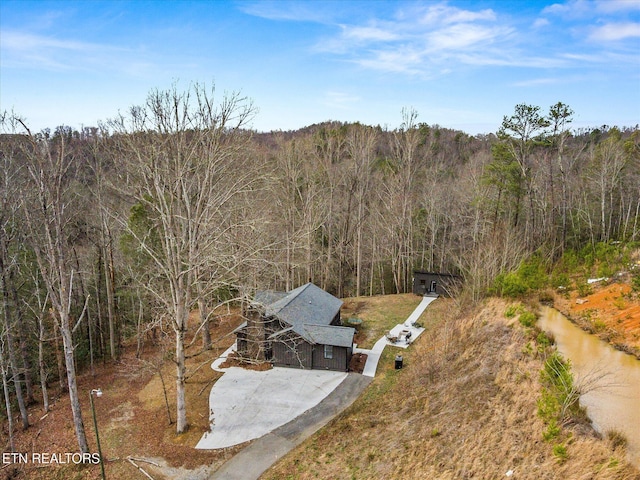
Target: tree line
{"points": [[118, 231]]}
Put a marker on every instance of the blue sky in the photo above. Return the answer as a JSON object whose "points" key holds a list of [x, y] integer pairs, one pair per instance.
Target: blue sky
{"points": [[459, 64]]}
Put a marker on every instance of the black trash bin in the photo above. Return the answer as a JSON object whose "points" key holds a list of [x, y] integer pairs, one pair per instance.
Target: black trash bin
{"points": [[398, 362]]}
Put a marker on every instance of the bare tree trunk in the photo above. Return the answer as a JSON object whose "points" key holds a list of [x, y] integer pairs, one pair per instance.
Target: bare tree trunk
{"points": [[24, 351], [109, 282], [7, 400], [17, 381], [139, 326], [41, 363], [9, 324], [78, 424], [181, 404], [204, 318]]}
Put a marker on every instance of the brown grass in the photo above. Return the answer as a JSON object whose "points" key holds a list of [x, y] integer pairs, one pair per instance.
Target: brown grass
{"points": [[463, 407], [379, 314]]}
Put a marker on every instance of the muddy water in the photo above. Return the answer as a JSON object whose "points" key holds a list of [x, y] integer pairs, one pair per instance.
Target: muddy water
{"points": [[614, 402]]}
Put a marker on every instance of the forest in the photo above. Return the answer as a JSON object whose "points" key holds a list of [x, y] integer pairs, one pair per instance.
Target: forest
{"points": [[114, 234]]}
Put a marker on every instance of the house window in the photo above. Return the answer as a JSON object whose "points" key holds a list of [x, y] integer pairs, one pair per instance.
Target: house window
{"points": [[328, 351]]}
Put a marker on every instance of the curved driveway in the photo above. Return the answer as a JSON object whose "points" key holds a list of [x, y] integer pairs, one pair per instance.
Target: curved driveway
{"points": [[254, 460]]}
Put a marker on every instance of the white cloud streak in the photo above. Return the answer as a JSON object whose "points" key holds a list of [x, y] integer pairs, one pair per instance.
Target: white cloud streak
{"points": [[615, 32]]}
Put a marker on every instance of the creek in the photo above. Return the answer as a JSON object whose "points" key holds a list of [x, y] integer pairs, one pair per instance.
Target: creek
{"points": [[612, 399]]}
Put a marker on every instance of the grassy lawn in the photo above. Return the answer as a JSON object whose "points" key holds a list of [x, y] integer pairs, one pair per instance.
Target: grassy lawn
{"points": [[379, 315]]}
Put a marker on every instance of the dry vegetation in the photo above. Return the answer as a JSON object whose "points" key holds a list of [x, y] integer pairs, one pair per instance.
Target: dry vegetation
{"points": [[378, 314], [132, 420], [464, 406]]}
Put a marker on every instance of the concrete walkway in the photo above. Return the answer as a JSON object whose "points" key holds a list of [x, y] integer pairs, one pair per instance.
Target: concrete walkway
{"points": [[373, 355], [256, 458]]}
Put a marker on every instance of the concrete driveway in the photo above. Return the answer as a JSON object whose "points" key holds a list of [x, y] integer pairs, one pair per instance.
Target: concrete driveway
{"points": [[245, 404]]}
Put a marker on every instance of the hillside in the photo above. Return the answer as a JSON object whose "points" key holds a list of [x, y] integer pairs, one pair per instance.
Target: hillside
{"points": [[464, 406]]}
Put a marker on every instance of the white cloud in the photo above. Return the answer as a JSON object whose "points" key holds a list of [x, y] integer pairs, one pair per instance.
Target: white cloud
{"points": [[18, 41], [368, 33], [611, 6], [419, 40], [615, 31], [540, 23], [571, 8], [399, 60], [50, 53], [536, 82], [465, 36], [443, 14], [340, 100], [287, 10], [590, 8]]}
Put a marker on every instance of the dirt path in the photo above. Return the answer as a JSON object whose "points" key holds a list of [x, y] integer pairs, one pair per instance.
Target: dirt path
{"points": [[254, 460]]}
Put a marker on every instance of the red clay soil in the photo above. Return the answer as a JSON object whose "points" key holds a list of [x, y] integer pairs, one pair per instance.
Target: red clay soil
{"points": [[612, 311]]}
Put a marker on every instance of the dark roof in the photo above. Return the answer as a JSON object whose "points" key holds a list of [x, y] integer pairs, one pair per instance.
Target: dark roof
{"points": [[304, 309], [307, 304], [330, 335], [424, 272], [267, 297]]}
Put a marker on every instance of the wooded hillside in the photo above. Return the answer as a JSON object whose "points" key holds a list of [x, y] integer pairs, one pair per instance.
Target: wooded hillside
{"points": [[118, 232]]}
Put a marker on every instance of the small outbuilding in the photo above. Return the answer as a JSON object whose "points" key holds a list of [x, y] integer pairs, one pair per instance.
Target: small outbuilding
{"points": [[430, 283]]}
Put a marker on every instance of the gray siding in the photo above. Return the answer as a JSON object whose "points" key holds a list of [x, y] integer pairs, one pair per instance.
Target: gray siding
{"points": [[297, 354], [444, 283], [339, 362]]}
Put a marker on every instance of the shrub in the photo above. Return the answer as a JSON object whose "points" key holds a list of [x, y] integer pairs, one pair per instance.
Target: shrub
{"points": [[509, 285], [557, 380], [527, 319], [560, 452], [552, 431], [513, 310], [560, 279], [544, 340], [599, 326], [617, 439], [584, 289], [619, 303], [529, 276]]}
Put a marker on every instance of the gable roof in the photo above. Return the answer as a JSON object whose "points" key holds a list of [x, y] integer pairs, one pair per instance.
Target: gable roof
{"points": [[330, 335], [309, 311], [307, 304], [267, 297]]}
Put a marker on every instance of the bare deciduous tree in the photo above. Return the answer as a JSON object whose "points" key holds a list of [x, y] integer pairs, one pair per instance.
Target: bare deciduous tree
{"points": [[182, 167], [48, 217]]}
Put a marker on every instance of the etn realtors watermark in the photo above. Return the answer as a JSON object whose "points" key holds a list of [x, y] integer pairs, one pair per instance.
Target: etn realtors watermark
{"points": [[47, 458]]}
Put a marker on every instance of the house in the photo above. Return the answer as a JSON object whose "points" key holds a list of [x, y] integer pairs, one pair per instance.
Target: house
{"points": [[300, 329], [430, 283]]}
